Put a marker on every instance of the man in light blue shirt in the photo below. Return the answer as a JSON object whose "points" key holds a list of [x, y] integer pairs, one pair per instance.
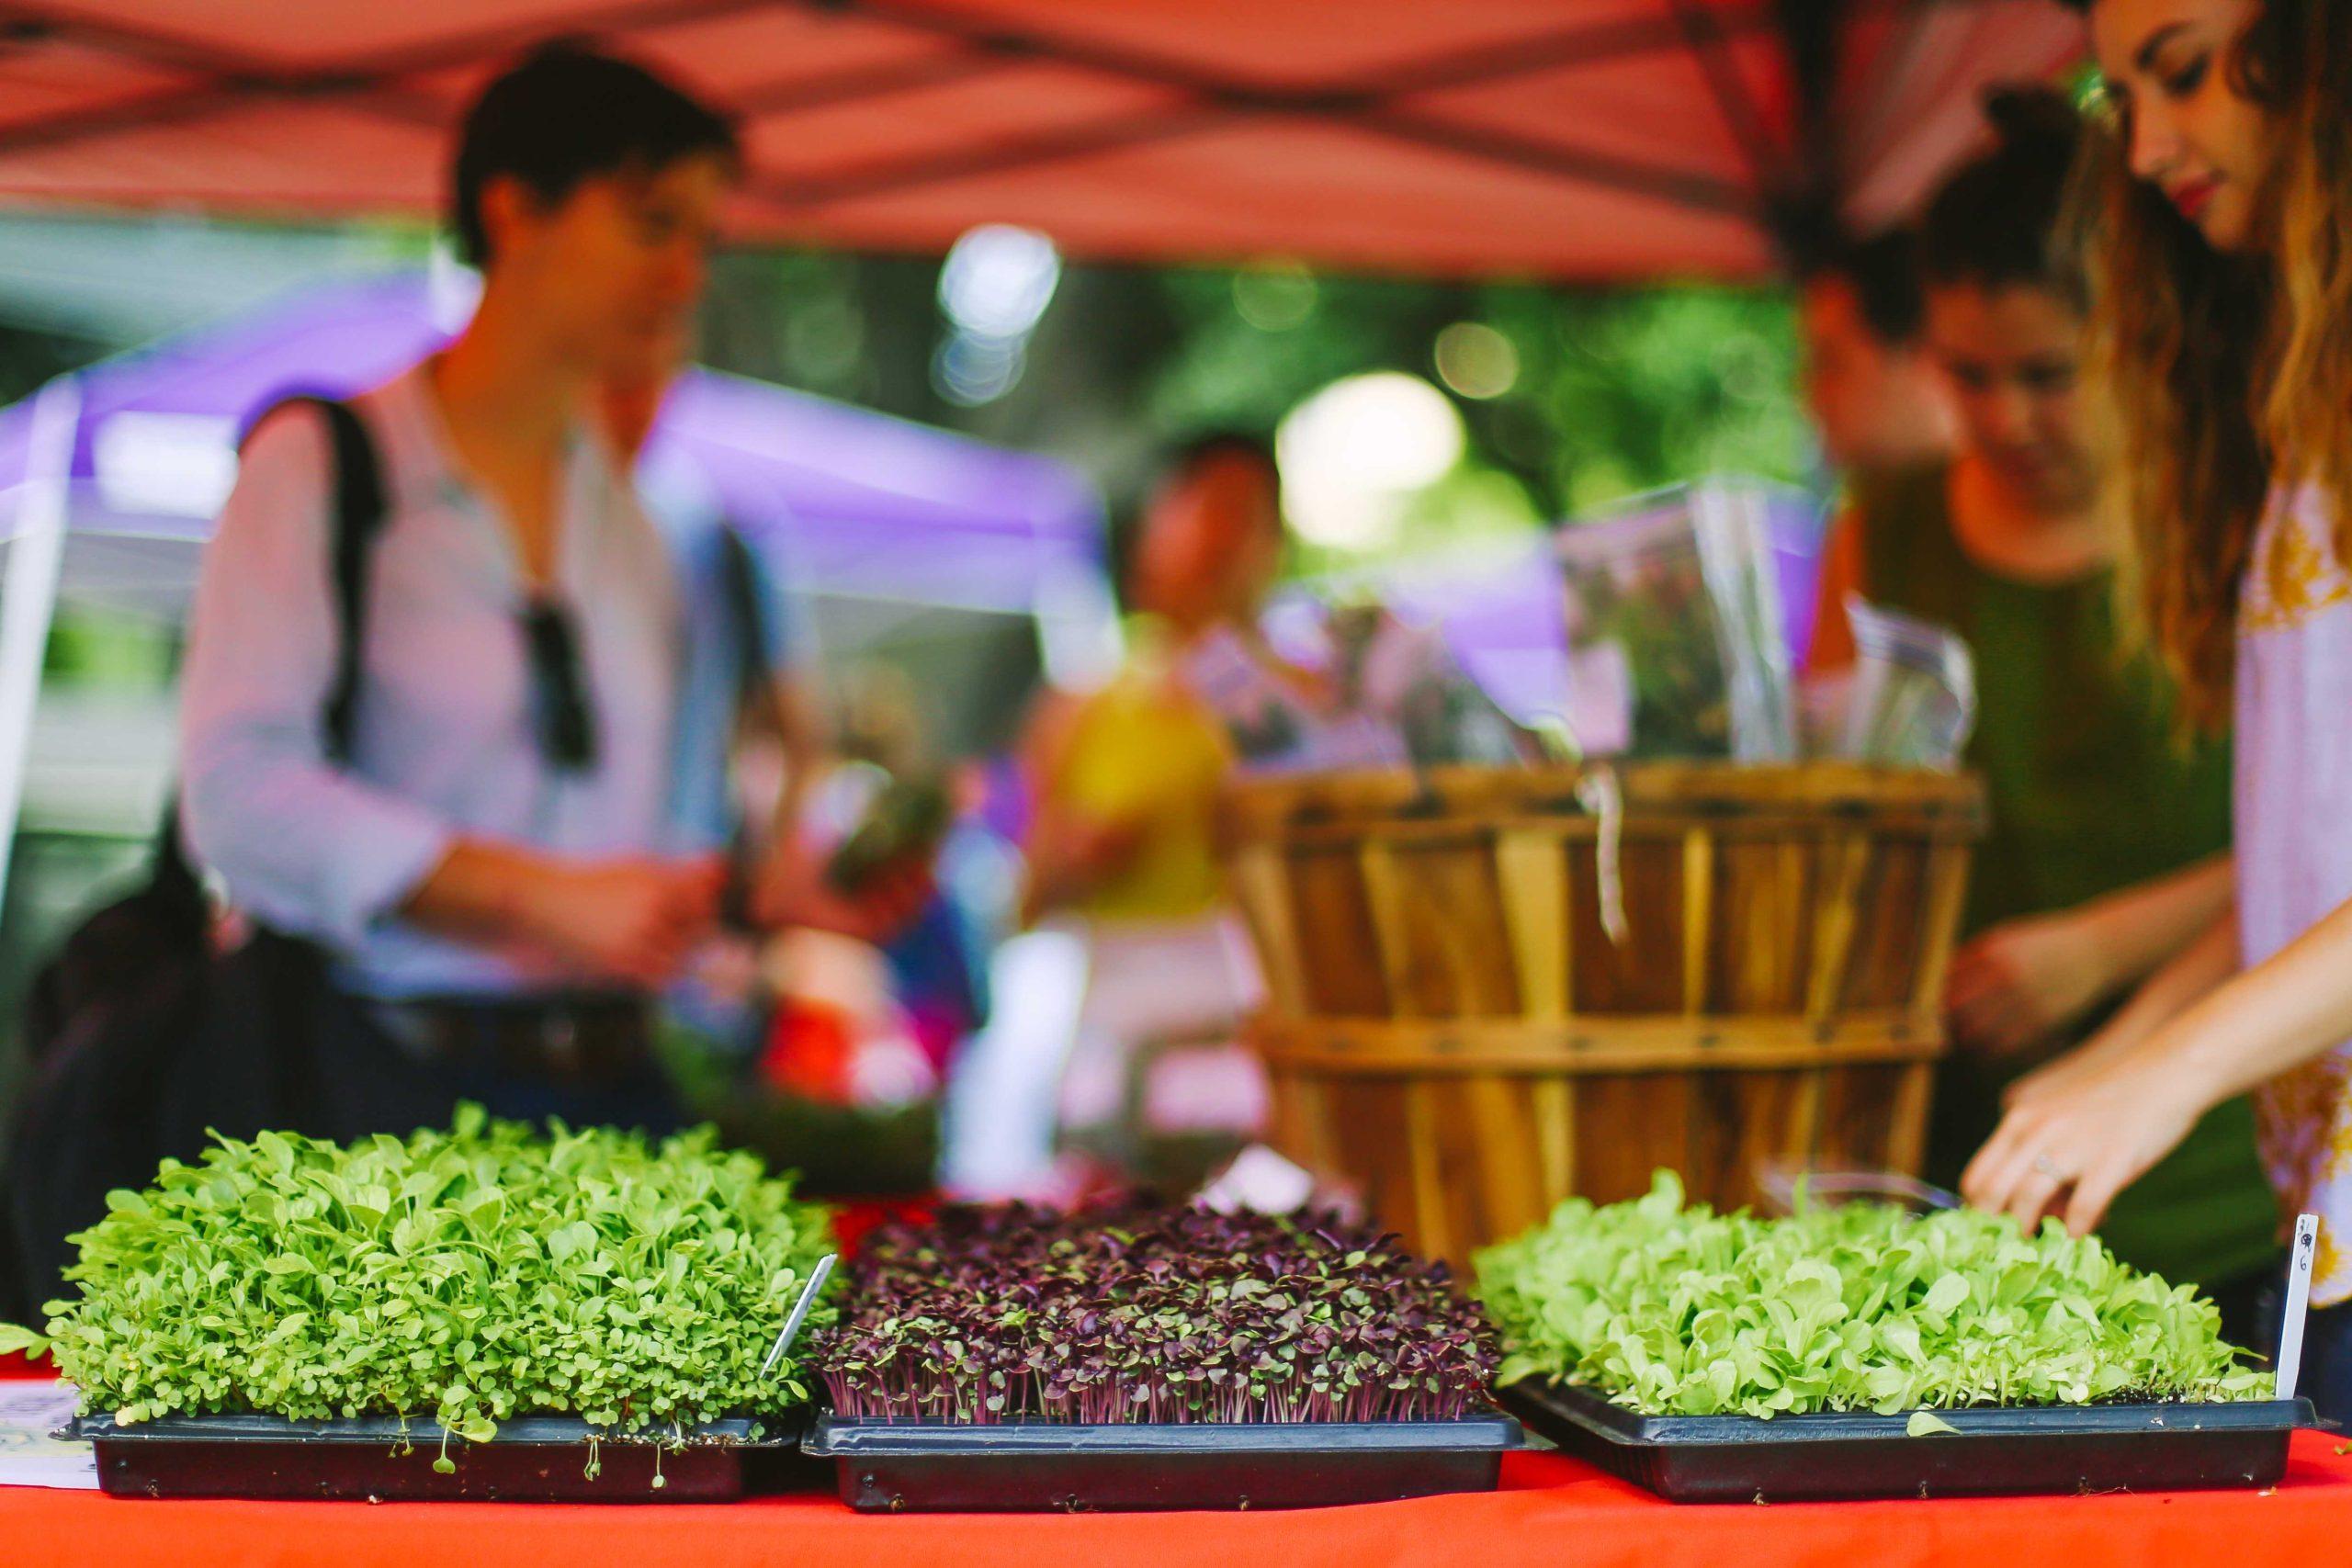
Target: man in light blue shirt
{"points": [[496, 872]]}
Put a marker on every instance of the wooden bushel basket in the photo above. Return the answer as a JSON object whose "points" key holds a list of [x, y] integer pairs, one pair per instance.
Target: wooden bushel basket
{"points": [[1452, 1026]]}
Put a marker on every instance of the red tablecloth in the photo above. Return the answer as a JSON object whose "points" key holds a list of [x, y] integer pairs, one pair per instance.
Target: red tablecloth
{"points": [[1551, 1511]]}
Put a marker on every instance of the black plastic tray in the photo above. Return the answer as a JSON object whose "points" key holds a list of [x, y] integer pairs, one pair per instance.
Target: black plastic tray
{"points": [[889, 1466], [2066, 1448], [382, 1458]]}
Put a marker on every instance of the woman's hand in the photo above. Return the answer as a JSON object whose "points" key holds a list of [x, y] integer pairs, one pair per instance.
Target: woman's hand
{"points": [[1097, 850], [2024, 981], [2192, 973], [2066, 1070], [2088, 1128], [1069, 857], [2083, 1132]]}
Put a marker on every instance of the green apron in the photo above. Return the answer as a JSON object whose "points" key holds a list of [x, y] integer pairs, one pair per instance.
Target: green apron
{"points": [[2090, 791]]}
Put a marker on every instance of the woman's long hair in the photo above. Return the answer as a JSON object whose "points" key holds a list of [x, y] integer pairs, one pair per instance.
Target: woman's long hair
{"points": [[2226, 375]]}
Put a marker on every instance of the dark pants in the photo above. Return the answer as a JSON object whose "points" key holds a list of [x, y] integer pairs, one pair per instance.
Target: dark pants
{"points": [[2326, 1376], [2249, 1307], [365, 1081]]}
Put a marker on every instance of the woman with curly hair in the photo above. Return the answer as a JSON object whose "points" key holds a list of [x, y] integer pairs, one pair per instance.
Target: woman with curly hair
{"points": [[2107, 852], [2220, 187]]}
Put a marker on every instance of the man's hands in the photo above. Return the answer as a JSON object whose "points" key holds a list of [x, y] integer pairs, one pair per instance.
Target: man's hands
{"points": [[631, 921], [636, 920]]}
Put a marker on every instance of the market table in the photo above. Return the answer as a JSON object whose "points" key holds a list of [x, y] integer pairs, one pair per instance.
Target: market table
{"points": [[1550, 1510]]}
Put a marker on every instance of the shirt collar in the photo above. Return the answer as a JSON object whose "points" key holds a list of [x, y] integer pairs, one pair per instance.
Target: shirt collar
{"points": [[422, 464]]}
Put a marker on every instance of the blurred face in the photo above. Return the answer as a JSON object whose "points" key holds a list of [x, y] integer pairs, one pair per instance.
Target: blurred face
{"points": [[613, 272], [2012, 357], [1212, 541], [2192, 136], [630, 395], [1861, 389]]}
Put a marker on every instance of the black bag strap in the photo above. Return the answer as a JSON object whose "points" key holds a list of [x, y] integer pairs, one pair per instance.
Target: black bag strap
{"points": [[357, 518], [292, 974], [747, 615], [354, 520], [171, 875], [739, 586]]}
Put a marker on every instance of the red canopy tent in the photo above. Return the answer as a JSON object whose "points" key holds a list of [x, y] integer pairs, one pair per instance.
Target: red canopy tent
{"points": [[1563, 140]]}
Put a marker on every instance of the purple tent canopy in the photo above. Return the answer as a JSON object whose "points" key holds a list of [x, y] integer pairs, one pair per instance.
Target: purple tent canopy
{"points": [[860, 503], [863, 504]]}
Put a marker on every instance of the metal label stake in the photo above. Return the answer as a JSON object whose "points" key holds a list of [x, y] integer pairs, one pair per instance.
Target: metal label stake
{"points": [[823, 1271], [2299, 1298]]}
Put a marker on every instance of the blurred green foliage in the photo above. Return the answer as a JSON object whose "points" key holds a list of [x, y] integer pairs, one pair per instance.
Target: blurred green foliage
{"points": [[91, 647], [1616, 391]]}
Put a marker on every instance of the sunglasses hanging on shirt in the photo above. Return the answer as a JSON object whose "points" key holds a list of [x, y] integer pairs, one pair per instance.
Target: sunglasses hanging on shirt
{"points": [[561, 712]]}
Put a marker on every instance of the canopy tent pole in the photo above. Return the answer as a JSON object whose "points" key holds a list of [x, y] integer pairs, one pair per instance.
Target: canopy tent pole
{"points": [[28, 596], [1806, 216]]}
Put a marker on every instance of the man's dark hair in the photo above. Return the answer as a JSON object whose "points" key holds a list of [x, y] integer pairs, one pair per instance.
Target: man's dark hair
{"points": [[1883, 273], [2003, 219], [568, 114]]}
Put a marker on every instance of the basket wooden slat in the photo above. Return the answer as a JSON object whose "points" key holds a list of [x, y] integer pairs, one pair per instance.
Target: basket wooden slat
{"points": [[1357, 1047], [1534, 877], [1452, 1025]]}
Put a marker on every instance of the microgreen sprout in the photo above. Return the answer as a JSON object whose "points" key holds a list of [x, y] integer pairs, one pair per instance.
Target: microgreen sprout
{"points": [[1152, 1315], [1682, 1311], [472, 1274]]}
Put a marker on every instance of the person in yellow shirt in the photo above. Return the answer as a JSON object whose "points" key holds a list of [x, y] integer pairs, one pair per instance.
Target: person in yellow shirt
{"points": [[1127, 814], [1121, 847]]}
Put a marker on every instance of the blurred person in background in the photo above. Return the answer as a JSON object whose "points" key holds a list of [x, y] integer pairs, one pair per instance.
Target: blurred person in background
{"points": [[895, 794], [2104, 856], [1121, 847], [1877, 397], [495, 875]]}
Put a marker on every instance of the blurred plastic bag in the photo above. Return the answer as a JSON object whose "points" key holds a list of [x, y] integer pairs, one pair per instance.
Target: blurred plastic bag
{"points": [[1393, 695], [1271, 728], [1912, 697], [1260, 1181], [1402, 673], [1788, 1185], [1673, 620]]}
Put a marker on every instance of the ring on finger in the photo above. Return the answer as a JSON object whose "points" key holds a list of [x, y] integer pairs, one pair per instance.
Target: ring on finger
{"points": [[2044, 1165]]}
